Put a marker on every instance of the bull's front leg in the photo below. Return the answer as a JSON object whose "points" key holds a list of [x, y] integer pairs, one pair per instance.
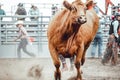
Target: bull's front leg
{"points": [[57, 72], [83, 57], [56, 61], [78, 63], [84, 52]]}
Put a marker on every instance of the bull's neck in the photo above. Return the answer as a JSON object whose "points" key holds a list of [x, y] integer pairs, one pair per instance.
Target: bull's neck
{"points": [[70, 30]]}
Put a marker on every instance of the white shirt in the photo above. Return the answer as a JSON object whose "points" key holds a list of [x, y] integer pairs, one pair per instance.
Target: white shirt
{"points": [[22, 33], [115, 25]]}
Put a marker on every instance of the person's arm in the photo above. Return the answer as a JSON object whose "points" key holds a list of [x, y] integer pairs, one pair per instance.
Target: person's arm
{"points": [[23, 33], [18, 37], [23, 30]]}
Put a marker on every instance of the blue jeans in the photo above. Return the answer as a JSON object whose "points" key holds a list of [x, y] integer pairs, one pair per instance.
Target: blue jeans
{"points": [[97, 42]]}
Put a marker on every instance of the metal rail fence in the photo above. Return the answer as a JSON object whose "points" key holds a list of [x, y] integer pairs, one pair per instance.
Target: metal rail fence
{"points": [[35, 29], [38, 31]]}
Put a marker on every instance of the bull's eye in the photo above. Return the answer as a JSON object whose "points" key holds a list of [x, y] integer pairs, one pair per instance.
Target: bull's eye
{"points": [[73, 8], [74, 11]]}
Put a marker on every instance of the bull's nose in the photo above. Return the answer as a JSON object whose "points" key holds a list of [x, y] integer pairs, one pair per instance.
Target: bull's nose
{"points": [[82, 19]]}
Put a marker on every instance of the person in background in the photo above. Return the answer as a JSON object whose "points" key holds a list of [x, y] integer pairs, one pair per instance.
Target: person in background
{"points": [[111, 25], [97, 42], [113, 32], [54, 9], [118, 24], [24, 40], [20, 11], [113, 42], [34, 11], [2, 12], [95, 7]]}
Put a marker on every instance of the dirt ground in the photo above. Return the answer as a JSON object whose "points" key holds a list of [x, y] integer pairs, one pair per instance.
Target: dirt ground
{"points": [[43, 69]]}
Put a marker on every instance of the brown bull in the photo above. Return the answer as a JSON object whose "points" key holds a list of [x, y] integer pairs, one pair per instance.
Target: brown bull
{"points": [[71, 32]]}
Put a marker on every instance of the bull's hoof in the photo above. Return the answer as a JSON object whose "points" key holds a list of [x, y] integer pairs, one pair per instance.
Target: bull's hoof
{"points": [[57, 76], [78, 79]]}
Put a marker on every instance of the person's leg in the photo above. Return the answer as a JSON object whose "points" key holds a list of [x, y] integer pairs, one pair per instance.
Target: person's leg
{"points": [[94, 47], [72, 63], [19, 50], [24, 47], [108, 52], [63, 63], [114, 54], [100, 46]]}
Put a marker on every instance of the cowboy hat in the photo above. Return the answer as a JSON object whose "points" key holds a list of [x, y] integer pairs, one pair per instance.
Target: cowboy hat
{"points": [[20, 5]]}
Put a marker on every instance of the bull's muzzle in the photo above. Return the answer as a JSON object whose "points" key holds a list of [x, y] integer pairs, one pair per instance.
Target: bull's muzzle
{"points": [[82, 19]]}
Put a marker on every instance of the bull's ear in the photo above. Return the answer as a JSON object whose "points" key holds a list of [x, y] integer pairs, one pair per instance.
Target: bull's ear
{"points": [[67, 5], [89, 4]]}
